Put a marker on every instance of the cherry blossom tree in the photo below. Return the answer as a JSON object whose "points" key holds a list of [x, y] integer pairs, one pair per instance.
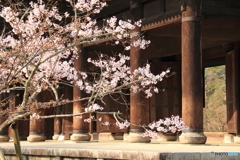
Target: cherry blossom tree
{"points": [[39, 44]]}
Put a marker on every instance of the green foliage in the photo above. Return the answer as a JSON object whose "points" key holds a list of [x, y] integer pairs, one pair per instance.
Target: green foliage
{"points": [[215, 99]]}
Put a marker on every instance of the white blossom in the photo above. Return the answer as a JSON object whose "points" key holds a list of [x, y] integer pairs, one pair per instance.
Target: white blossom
{"points": [[93, 108], [35, 116], [172, 124], [106, 123], [123, 125]]}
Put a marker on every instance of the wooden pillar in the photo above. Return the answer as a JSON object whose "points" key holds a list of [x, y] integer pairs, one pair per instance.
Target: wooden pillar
{"points": [[80, 128], [67, 122], [4, 133], [22, 125], [192, 78], [36, 126], [137, 100], [57, 123]]}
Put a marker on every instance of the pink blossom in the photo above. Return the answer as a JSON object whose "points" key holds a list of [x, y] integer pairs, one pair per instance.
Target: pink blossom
{"points": [[88, 120], [93, 108], [150, 133], [80, 116], [123, 125], [35, 116], [106, 123], [172, 124]]}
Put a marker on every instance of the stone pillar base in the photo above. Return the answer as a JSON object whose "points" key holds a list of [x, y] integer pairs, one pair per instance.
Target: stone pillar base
{"points": [[22, 137], [4, 138], [192, 138], [160, 137], [137, 138], [94, 136], [106, 136], [55, 136], [110, 136], [170, 136], [118, 136], [36, 138], [80, 137], [125, 136], [237, 139], [228, 138]]}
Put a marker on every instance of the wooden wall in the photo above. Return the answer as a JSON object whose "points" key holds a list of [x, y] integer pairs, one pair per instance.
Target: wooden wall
{"points": [[233, 89], [168, 102], [113, 103]]}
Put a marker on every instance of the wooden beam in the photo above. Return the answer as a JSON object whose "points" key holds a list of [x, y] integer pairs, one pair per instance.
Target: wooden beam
{"points": [[220, 11], [161, 52], [215, 52], [221, 34], [160, 20], [211, 30], [233, 18]]}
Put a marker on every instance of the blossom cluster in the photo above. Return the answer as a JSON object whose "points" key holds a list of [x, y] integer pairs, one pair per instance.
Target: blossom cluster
{"points": [[123, 125], [116, 75], [172, 124], [120, 31], [105, 123], [88, 5], [147, 80], [93, 108], [40, 48], [35, 116], [150, 133], [89, 120]]}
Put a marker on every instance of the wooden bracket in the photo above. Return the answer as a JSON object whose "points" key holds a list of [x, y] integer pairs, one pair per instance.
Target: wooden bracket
{"points": [[183, 6]]}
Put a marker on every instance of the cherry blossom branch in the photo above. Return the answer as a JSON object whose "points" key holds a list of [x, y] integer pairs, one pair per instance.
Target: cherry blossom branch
{"points": [[73, 115], [53, 89], [14, 119], [36, 116], [38, 49], [26, 91]]}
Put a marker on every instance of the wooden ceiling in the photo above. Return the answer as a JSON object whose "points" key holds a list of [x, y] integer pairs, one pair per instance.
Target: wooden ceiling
{"points": [[162, 24], [167, 40]]}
